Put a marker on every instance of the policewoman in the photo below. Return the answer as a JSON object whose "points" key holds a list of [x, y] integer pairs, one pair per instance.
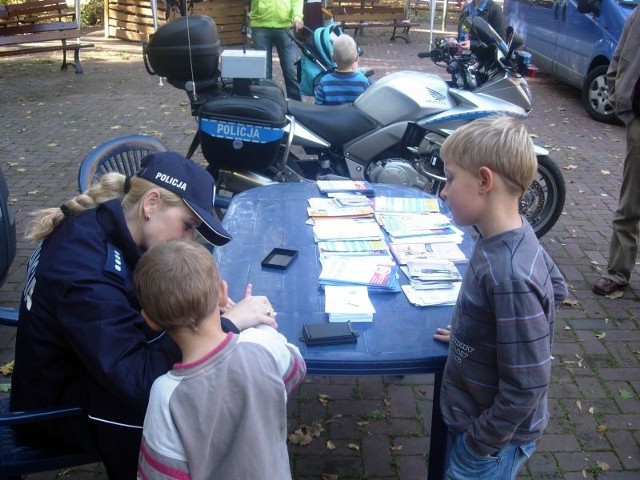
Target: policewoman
{"points": [[81, 339]]}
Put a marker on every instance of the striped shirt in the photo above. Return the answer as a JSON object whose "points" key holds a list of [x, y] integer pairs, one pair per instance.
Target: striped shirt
{"points": [[337, 87], [499, 365]]}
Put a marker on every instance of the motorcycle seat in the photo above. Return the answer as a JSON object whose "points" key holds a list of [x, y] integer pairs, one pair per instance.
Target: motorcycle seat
{"points": [[337, 124]]}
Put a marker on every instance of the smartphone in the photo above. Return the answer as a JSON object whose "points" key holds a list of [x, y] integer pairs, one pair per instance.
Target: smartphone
{"points": [[328, 333]]}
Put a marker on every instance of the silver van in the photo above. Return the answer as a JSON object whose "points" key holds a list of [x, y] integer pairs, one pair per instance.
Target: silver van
{"points": [[573, 40]]}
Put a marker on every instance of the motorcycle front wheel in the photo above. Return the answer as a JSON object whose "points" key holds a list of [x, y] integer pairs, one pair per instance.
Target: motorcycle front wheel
{"points": [[543, 202]]}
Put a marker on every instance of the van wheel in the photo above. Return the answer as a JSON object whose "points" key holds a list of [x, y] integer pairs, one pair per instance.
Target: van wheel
{"points": [[595, 96]]}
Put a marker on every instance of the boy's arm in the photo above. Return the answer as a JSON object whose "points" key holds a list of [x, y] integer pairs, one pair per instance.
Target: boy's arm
{"points": [[291, 365], [523, 351], [560, 291]]}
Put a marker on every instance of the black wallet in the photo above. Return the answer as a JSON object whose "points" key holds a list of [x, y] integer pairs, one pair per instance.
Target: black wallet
{"points": [[328, 333]]}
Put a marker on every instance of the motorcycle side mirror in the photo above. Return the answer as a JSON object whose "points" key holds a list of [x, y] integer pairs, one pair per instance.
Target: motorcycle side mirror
{"points": [[514, 41]]}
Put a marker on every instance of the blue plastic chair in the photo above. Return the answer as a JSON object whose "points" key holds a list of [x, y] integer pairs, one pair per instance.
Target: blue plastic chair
{"points": [[19, 457], [123, 155], [120, 154]]}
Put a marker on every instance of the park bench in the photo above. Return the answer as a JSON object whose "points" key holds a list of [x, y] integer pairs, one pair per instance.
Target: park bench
{"points": [[361, 17], [40, 26]]}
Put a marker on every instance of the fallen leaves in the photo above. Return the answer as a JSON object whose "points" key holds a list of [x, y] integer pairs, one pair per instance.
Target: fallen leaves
{"points": [[7, 368], [569, 303], [304, 434], [324, 399]]}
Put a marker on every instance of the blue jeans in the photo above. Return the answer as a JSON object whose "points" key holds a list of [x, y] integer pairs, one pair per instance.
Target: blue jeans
{"points": [[464, 464], [265, 39]]}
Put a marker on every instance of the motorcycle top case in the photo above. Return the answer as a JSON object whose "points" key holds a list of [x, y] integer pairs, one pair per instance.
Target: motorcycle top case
{"points": [[173, 50], [241, 132]]}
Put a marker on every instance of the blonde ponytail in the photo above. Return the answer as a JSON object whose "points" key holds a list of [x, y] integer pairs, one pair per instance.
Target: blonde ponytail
{"points": [[45, 221]]}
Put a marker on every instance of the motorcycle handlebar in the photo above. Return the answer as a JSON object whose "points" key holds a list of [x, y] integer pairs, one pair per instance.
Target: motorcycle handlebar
{"points": [[424, 54]]}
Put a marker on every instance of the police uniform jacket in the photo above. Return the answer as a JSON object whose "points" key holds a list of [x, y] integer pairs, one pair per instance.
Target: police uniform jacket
{"points": [[81, 339]]}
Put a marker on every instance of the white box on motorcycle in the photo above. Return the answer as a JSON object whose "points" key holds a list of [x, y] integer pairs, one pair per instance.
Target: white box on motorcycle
{"points": [[243, 64], [182, 46]]}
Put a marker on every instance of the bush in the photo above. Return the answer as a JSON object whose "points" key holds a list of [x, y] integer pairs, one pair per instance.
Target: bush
{"points": [[91, 13]]}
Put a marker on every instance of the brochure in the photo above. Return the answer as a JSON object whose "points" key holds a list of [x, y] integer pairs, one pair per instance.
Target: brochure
{"points": [[428, 298], [329, 207], [435, 270], [354, 247], [378, 274], [411, 252], [348, 303], [406, 204], [347, 229], [359, 186], [412, 224]]}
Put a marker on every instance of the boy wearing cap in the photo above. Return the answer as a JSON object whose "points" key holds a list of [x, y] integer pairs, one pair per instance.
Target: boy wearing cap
{"points": [[221, 411], [81, 339]]}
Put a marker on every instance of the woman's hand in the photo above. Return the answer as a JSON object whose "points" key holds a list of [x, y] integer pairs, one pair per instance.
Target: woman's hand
{"points": [[443, 334], [252, 310]]}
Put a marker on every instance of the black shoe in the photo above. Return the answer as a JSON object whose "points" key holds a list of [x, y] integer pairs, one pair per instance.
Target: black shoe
{"points": [[605, 286]]}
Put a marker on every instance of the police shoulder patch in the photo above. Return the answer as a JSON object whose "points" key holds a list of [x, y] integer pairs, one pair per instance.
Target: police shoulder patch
{"points": [[115, 261]]}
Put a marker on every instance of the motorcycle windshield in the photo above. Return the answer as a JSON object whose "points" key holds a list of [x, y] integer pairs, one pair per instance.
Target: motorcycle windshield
{"points": [[484, 32]]}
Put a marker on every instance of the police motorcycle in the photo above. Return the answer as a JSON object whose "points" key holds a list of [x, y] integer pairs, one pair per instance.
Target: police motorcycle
{"points": [[250, 135]]}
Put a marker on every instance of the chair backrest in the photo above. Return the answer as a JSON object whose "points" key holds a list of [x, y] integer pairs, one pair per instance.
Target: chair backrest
{"points": [[121, 154]]}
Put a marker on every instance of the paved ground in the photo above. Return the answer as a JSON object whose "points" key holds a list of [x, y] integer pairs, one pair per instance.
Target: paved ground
{"points": [[373, 428]]}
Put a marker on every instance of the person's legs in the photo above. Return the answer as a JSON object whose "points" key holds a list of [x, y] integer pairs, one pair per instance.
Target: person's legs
{"points": [[623, 249], [262, 40], [288, 54], [119, 448], [463, 464]]}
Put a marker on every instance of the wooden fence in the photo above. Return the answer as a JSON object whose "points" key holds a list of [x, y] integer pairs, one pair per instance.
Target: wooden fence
{"points": [[133, 20]]}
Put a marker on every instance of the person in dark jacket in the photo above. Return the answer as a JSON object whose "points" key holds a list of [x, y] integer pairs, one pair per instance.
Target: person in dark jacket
{"points": [[81, 339], [489, 11]]}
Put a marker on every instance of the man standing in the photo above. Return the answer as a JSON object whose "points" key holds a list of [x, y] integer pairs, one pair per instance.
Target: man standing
{"points": [[623, 79], [271, 21]]}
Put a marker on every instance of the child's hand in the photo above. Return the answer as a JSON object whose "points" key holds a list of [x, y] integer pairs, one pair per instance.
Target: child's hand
{"points": [[443, 334]]}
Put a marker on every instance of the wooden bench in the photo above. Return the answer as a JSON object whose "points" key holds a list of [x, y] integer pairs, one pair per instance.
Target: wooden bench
{"points": [[38, 26], [359, 18]]}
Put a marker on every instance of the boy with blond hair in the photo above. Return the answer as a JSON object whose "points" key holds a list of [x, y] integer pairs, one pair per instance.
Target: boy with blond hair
{"points": [[221, 411], [345, 83], [494, 390]]}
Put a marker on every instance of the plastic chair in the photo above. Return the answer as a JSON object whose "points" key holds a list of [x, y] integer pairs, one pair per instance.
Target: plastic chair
{"points": [[120, 154], [123, 155], [19, 457]]}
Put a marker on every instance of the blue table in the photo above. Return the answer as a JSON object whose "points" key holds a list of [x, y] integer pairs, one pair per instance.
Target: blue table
{"points": [[398, 342]]}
